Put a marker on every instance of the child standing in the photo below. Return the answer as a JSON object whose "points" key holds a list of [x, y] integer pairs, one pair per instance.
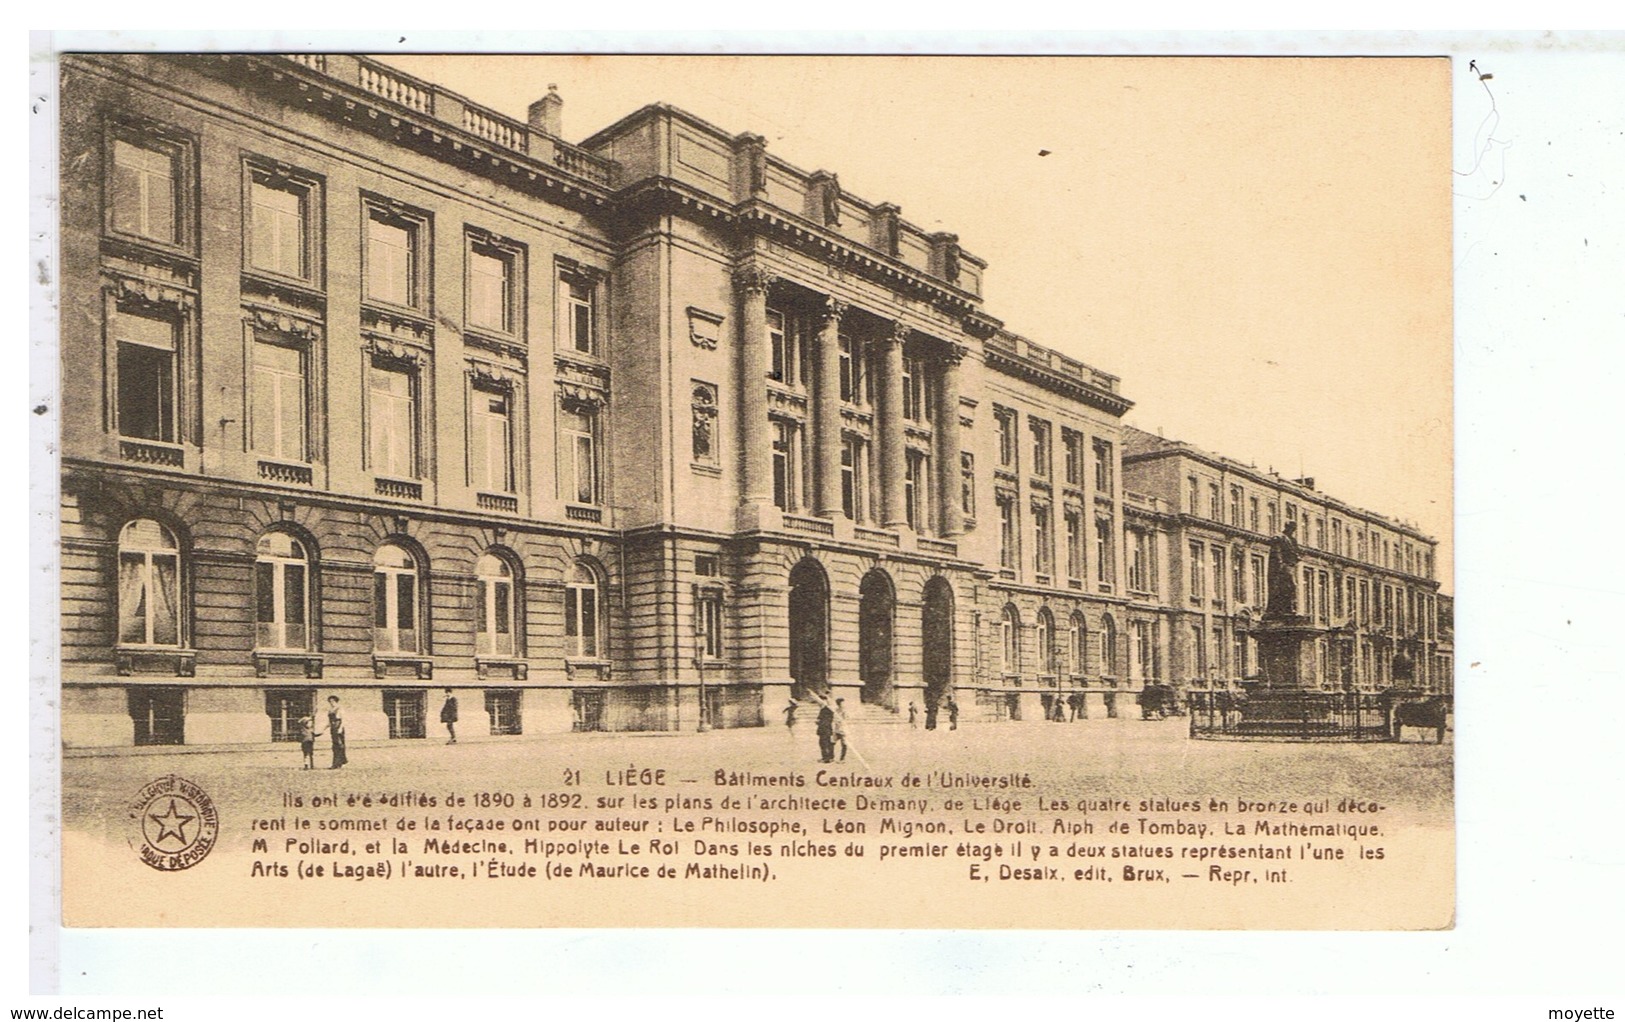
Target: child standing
{"points": [[307, 742]]}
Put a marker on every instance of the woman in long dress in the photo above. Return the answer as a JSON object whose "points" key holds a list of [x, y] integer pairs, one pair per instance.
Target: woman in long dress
{"points": [[335, 727]]}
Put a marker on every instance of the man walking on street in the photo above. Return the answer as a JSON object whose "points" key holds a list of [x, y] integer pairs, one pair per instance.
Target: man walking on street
{"points": [[826, 733], [448, 717], [840, 727]]}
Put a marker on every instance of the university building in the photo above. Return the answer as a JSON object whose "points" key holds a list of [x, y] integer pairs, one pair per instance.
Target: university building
{"points": [[370, 391]]}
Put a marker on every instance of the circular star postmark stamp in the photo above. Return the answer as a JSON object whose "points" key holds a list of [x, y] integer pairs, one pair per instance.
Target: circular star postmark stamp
{"points": [[175, 823]]}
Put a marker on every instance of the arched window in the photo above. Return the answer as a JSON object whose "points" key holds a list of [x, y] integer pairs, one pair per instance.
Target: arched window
{"points": [[281, 593], [1079, 646], [1108, 647], [1046, 641], [149, 585], [493, 607], [582, 614], [1010, 640], [395, 598]]}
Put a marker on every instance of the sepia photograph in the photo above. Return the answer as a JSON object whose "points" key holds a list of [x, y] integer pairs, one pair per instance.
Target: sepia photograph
{"points": [[539, 491]]}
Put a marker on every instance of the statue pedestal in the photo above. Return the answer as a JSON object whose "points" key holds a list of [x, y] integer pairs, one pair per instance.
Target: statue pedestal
{"points": [[1283, 703]]}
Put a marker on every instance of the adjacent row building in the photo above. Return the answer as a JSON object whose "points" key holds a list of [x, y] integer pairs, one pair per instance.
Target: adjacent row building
{"points": [[370, 391]]}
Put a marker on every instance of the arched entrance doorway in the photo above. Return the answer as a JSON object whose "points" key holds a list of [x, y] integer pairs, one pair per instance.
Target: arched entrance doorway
{"points": [[809, 629], [937, 640], [877, 608]]}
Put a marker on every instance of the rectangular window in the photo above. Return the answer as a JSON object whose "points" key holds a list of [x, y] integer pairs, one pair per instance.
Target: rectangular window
{"points": [[1275, 518], [502, 707], [1103, 467], [1193, 495], [392, 258], [1198, 557], [1105, 556], [580, 319], [392, 421], [1213, 502], [578, 427], [145, 191], [490, 288], [786, 464], [1074, 545], [1260, 593], [490, 441], [146, 390], [1072, 442], [404, 709], [1218, 575], [917, 490], [1235, 506], [1043, 541], [1007, 532], [279, 221], [779, 362], [852, 476], [710, 625], [278, 425], [1198, 651], [1041, 447], [967, 483], [1252, 513], [1005, 421], [285, 707], [1238, 579], [848, 368]]}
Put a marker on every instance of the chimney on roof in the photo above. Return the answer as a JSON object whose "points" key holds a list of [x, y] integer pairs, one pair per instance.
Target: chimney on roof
{"points": [[1307, 482], [547, 113]]}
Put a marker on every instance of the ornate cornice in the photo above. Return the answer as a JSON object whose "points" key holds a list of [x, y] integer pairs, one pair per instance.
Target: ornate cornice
{"points": [[1013, 365], [282, 321], [134, 288]]}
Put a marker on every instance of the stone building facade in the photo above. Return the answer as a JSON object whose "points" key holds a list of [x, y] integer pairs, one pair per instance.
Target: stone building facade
{"points": [[370, 391]]}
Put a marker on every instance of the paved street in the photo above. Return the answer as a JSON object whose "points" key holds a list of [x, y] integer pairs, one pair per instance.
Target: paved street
{"points": [[1124, 757]]}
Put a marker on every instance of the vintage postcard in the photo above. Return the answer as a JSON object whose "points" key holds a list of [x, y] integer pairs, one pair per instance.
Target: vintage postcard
{"points": [[655, 491]]}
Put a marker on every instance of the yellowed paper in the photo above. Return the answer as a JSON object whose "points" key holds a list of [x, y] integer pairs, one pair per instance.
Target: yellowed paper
{"points": [[571, 460]]}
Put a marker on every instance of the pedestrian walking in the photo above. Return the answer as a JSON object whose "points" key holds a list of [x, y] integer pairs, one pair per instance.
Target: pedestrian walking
{"points": [[790, 716], [335, 729], [448, 717], [826, 733], [913, 715], [953, 714], [840, 727]]}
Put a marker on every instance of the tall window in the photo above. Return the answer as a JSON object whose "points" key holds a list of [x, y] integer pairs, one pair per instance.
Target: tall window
{"points": [[1041, 447], [1103, 466], [278, 228], [1260, 583], [494, 284], [1142, 563], [853, 473], [967, 483], [395, 595], [144, 191], [1079, 644], [917, 490], [1105, 552], [1010, 641], [1073, 455], [1238, 579], [708, 608], [1213, 502], [918, 400], [582, 617], [578, 429], [279, 423], [1218, 574], [1108, 646], [1007, 531], [147, 369], [392, 420], [149, 585], [580, 315], [1198, 650], [781, 345], [395, 246], [1074, 544], [1193, 495], [1144, 661], [1043, 540], [1275, 518], [1046, 641], [1197, 558], [851, 369], [786, 463], [1235, 505], [1005, 421], [493, 606], [281, 593], [490, 440], [1252, 513]]}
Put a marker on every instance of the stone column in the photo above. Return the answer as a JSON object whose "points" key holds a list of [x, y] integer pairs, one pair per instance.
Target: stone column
{"points": [[951, 514], [889, 416], [826, 410], [751, 283]]}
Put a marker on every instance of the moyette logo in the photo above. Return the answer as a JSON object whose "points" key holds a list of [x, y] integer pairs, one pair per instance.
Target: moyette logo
{"points": [[174, 823]]}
